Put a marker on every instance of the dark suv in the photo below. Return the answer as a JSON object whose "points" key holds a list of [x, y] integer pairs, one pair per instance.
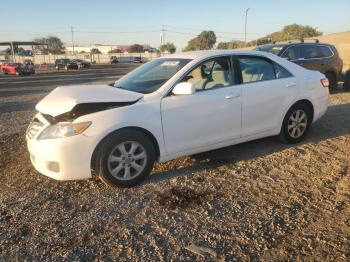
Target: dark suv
{"points": [[311, 55], [65, 64]]}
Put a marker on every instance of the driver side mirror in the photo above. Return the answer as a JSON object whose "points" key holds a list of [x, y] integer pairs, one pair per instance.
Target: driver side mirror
{"points": [[184, 88]]}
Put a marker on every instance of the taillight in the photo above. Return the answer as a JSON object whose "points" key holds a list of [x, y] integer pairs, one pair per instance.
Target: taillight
{"points": [[325, 82]]}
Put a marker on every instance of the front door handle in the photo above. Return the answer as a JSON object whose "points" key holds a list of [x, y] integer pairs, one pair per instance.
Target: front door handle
{"points": [[231, 96], [290, 85]]}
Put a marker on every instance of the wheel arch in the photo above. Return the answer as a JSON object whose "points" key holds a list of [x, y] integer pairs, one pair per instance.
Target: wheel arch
{"points": [[93, 161], [305, 101]]}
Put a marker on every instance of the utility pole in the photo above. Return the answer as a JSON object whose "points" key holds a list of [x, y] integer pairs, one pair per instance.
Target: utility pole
{"points": [[245, 27], [162, 36], [72, 30]]}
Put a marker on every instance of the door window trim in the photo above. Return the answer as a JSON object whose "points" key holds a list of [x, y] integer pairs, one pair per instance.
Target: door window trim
{"points": [[232, 71]]}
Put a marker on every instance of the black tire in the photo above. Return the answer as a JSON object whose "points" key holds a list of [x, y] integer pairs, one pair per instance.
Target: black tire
{"points": [[332, 78], [109, 144], [346, 84], [285, 135], [57, 68], [66, 68]]}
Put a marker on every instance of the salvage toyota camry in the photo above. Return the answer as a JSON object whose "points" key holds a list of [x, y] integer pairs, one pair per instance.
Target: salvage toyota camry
{"points": [[172, 106]]}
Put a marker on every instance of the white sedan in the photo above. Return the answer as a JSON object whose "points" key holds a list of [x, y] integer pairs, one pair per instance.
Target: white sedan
{"points": [[173, 106]]}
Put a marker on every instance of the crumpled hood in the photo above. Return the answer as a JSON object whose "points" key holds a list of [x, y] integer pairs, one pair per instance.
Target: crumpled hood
{"points": [[64, 98]]}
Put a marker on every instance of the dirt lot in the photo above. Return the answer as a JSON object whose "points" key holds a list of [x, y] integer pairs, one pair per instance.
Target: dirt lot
{"points": [[261, 200]]}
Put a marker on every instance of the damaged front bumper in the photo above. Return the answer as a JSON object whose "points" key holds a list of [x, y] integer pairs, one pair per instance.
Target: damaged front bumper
{"points": [[66, 158]]}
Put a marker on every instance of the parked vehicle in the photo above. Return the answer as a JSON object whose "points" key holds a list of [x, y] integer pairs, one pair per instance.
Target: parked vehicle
{"points": [[82, 63], [114, 60], [2, 62], [310, 55], [172, 106], [17, 69], [137, 59], [65, 64]]}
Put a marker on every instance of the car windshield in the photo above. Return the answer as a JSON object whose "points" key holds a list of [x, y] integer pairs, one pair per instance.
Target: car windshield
{"points": [[274, 49], [151, 76]]}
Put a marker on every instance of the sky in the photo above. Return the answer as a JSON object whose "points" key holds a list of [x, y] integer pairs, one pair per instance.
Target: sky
{"points": [[131, 21]]}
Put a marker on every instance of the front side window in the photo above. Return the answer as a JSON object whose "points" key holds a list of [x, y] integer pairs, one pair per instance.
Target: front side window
{"points": [[274, 49], [214, 73], [151, 76], [256, 69], [291, 53]]}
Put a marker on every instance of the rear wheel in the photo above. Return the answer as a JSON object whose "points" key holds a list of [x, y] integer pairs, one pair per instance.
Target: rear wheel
{"points": [[125, 158], [57, 68], [346, 84], [332, 78], [66, 68], [296, 123]]}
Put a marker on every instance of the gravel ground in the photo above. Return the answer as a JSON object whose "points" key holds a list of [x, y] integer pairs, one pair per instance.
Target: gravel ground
{"points": [[261, 200]]}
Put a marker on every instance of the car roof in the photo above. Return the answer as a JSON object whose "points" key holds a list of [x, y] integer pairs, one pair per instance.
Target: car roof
{"points": [[295, 43], [202, 54]]}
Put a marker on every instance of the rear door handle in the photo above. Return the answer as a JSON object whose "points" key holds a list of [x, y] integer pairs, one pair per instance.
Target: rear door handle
{"points": [[231, 96], [290, 85]]}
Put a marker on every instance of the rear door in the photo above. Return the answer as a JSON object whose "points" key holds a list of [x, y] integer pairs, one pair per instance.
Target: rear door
{"points": [[316, 57], [267, 89]]}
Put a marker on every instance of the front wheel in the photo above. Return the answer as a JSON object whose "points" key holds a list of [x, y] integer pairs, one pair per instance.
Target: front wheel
{"points": [[296, 124], [125, 158]]}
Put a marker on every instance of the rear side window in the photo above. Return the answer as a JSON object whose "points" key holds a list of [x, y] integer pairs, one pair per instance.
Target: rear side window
{"points": [[281, 72], [314, 51], [325, 51], [256, 69]]}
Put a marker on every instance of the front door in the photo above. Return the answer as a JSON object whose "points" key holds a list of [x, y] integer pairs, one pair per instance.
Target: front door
{"points": [[211, 115]]}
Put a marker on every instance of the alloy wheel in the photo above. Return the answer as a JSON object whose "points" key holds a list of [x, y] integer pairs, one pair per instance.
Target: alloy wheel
{"points": [[297, 123], [127, 160]]}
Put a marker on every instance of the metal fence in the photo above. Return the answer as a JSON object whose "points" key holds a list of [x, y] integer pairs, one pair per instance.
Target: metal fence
{"points": [[94, 58]]}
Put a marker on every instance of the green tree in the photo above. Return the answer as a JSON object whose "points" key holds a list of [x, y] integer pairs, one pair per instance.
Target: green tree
{"points": [[204, 41], [290, 32], [95, 51], [231, 45], [50, 44], [136, 48], [168, 47]]}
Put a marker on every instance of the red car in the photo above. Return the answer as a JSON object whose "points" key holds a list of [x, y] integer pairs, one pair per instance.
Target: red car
{"points": [[17, 69]]}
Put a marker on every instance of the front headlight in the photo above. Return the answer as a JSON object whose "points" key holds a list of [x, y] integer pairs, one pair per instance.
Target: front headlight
{"points": [[61, 130]]}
